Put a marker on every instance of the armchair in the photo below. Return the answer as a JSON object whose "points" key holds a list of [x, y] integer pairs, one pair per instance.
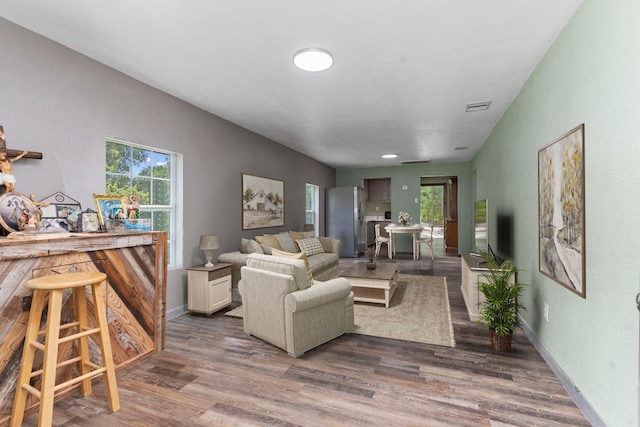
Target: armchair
{"points": [[282, 307]]}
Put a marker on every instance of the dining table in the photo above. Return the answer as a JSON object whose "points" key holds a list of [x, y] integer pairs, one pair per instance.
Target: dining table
{"points": [[394, 229]]}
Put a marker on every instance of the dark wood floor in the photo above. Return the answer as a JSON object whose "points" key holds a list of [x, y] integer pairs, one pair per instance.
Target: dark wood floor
{"points": [[212, 374]]}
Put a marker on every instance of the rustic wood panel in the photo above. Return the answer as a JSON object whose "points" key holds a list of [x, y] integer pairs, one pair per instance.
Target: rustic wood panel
{"points": [[135, 265]]}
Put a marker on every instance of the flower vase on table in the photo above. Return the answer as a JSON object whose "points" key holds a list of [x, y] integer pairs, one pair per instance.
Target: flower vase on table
{"points": [[404, 219]]}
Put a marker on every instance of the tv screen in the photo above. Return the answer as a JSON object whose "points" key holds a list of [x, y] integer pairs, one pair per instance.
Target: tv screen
{"points": [[504, 232], [481, 226]]}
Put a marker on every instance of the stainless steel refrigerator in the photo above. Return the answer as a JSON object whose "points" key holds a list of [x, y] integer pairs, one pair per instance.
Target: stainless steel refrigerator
{"points": [[345, 219]]}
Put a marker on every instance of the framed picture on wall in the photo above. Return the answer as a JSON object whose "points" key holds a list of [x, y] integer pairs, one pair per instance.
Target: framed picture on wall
{"points": [[561, 215], [262, 202]]}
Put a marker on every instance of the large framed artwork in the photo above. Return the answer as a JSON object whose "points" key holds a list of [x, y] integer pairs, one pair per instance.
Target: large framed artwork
{"points": [[561, 218], [262, 202]]}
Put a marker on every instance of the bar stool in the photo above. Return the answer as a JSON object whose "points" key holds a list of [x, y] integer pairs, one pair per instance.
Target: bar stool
{"points": [[53, 288]]}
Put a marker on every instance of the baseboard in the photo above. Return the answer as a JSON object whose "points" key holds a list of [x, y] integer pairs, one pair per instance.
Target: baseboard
{"points": [[573, 390], [179, 311]]}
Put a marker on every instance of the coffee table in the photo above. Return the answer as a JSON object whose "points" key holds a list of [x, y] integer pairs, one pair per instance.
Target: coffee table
{"points": [[376, 286]]}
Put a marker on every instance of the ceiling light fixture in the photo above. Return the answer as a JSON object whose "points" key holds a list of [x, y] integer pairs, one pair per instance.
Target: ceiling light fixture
{"points": [[389, 156], [313, 59]]}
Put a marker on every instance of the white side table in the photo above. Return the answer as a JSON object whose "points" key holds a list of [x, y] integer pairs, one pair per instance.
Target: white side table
{"points": [[209, 288]]}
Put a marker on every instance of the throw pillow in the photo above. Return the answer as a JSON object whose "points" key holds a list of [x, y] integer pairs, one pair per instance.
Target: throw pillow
{"points": [[310, 246], [295, 235], [249, 246], [286, 242], [308, 234], [297, 255], [267, 242], [327, 243]]}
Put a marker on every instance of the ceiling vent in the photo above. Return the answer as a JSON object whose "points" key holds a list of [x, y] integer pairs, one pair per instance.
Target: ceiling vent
{"points": [[478, 106], [466, 147], [415, 162]]}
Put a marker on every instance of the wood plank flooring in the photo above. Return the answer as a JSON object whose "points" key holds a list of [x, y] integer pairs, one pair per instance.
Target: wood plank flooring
{"points": [[212, 374]]}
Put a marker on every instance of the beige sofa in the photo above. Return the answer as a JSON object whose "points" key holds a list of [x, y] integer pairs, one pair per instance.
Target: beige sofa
{"points": [[283, 307], [324, 265]]}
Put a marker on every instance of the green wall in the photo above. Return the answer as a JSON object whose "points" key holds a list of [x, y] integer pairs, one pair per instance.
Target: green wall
{"points": [[404, 200], [591, 75]]}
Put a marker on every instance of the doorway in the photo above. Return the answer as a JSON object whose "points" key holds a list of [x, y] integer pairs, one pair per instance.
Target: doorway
{"points": [[432, 213], [439, 208]]}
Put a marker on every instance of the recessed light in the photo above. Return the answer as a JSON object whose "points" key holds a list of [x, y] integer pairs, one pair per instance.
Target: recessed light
{"points": [[313, 59], [389, 156], [478, 106]]}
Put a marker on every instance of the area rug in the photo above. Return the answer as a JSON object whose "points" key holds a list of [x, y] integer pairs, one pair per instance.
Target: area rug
{"points": [[419, 311]]}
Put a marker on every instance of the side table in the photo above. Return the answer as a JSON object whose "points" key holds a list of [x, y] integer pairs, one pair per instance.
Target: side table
{"points": [[209, 288]]}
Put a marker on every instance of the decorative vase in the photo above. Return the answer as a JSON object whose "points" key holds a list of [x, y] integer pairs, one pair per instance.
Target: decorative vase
{"points": [[403, 223], [371, 265]]}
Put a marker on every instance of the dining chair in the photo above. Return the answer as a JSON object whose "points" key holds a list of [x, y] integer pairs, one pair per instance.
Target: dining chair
{"points": [[423, 239]]}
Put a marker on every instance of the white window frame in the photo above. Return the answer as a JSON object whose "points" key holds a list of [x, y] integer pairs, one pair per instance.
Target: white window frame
{"points": [[175, 209], [315, 210]]}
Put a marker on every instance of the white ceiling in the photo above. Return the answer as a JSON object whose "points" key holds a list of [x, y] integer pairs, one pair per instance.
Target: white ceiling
{"points": [[404, 70]]}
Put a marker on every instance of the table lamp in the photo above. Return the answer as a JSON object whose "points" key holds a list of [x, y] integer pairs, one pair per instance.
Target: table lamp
{"points": [[208, 242]]}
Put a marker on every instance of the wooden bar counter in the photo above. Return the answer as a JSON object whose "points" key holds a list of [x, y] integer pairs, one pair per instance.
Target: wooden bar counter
{"points": [[136, 268]]}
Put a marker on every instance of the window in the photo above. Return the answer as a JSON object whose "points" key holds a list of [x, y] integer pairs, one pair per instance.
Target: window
{"points": [[152, 175], [312, 214]]}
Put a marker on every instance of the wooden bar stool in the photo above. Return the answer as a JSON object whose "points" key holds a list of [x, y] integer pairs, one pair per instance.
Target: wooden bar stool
{"points": [[53, 288]]}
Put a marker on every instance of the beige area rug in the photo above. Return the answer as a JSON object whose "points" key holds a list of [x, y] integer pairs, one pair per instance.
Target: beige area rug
{"points": [[419, 311]]}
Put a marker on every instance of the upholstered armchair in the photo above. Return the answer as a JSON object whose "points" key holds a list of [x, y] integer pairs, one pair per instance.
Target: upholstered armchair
{"points": [[282, 307]]}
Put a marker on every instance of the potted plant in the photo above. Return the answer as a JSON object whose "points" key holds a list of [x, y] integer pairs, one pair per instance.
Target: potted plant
{"points": [[499, 310]]}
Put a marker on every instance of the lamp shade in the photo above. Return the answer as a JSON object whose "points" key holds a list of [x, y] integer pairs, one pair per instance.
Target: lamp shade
{"points": [[208, 242]]}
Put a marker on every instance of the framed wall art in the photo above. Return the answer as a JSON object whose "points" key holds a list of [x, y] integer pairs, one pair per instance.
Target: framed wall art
{"points": [[110, 208], [561, 218], [262, 202]]}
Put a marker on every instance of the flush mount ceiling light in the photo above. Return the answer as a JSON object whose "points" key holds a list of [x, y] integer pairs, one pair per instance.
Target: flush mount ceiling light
{"points": [[389, 156], [313, 59]]}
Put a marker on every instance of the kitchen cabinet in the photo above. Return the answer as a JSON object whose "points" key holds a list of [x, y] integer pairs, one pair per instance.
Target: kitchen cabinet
{"points": [[378, 190]]}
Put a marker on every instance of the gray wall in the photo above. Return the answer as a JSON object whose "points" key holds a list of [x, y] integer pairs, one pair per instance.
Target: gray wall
{"points": [[64, 105], [591, 76]]}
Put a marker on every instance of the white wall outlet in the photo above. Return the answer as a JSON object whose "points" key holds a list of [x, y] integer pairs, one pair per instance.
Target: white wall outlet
{"points": [[546, 312], [377, 208], [405, 187]]}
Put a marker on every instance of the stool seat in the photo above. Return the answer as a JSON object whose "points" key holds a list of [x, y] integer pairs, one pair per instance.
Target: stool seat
{"points": [[48, 292], [67, 280]]}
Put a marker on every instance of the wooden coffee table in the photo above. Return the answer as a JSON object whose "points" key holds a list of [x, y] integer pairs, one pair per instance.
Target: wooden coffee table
{"points": [[376, 286]]}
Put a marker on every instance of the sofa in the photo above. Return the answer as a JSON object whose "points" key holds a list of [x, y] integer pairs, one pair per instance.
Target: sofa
{"points": [[283, 306], [323, 261]]}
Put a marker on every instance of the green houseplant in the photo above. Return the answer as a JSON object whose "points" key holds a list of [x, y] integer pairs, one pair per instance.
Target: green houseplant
{"points": [[499, 310]]}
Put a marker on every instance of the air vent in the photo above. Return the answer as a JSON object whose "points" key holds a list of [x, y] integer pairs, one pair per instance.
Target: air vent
{"points": [[478, 106], [415, 162], [466, 147]]}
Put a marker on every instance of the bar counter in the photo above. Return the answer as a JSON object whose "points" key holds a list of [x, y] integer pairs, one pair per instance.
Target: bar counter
{"points": [[136, 268]]}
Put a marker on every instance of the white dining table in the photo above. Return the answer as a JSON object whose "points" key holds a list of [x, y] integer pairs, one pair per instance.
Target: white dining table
{"points": [[400, 229]]}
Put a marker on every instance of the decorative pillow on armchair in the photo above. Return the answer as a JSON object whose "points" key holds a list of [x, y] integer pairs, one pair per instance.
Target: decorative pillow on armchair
{"points": [[297, 255]]}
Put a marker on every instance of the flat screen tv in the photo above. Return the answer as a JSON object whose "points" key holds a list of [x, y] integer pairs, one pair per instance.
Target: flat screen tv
{"points": [[480, 226]]}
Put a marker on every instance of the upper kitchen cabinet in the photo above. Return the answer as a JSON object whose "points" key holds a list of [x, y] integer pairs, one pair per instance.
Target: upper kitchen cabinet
{"points": [[378, 190]]}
